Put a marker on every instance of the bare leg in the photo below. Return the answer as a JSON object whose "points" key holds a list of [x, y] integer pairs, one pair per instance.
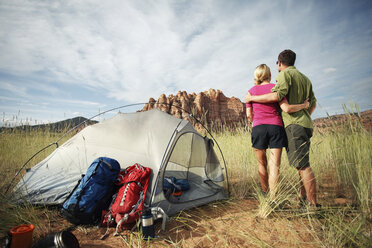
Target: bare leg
{"points": [[308, 180], [274, 165], [262, 168], [302, 189]]}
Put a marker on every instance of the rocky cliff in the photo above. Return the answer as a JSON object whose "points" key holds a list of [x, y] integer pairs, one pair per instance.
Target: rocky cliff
{"points": [[215, 110], [211, 107]]}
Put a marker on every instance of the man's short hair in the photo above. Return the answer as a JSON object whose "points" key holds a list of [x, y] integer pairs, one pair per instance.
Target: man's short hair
{"points": [[287, 57]]}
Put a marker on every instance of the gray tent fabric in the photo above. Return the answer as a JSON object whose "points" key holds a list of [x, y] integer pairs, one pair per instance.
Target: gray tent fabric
{"points": [[168, 145]]}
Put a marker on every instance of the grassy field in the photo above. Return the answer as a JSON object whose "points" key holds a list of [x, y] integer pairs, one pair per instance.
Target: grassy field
{"points": [[341, 159]]}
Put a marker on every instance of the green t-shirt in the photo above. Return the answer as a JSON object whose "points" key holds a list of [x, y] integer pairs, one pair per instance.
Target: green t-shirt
{"points": [[297, 88]]}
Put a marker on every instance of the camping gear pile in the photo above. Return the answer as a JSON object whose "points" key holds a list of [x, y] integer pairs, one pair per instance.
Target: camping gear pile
{"points": [[104, 183], [171, 148]]}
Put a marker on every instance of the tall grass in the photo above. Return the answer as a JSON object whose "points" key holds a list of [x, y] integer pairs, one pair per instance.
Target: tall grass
{"points": [[240, 161], [351, 151], [16, 147], [341, 159]]}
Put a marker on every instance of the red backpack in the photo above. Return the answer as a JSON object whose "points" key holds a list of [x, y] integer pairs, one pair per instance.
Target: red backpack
{"points": [[128, 202]]}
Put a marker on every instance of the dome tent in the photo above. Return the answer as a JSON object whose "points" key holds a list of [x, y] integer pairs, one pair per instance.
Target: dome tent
{"points": [[171, 147]]}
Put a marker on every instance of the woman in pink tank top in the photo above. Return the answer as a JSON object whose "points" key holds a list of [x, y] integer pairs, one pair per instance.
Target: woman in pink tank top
{"points": [[268, 130]]}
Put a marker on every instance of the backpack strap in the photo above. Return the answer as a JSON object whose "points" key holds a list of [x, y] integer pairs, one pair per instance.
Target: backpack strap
{"points": [[134, 209], [126, 190], [72, 191]]}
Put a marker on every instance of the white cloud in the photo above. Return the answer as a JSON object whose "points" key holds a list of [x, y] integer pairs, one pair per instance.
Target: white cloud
{"points": [[329, 70], [14, 90], [132, 50], [6, 98], [72, 102]]}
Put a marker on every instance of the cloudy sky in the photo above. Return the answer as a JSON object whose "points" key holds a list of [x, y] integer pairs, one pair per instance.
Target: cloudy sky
{"points": [[67, 58]]}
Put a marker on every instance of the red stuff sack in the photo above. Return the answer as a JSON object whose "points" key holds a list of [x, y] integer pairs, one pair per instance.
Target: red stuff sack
{"points": [[129, 201]]}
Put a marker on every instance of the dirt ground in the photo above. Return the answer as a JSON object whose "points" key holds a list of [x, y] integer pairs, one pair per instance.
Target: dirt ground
{"points": [[232, 223]]}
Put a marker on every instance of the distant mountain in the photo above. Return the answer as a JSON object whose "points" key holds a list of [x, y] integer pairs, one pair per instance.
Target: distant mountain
{"points": [[59, 126], [365, 119]]}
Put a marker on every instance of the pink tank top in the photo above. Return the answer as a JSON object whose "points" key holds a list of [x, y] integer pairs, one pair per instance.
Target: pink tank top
{"points": [[264, 113]]}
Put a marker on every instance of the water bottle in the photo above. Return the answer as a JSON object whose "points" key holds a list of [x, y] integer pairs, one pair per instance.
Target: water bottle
{"points": [[147, 221]]}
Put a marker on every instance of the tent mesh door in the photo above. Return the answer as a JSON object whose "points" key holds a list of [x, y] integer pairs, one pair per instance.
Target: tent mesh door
{"points": [[193, 159]]}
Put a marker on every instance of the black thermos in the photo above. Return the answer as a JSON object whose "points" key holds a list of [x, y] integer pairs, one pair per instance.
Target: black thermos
{"points": [[147, 222]]}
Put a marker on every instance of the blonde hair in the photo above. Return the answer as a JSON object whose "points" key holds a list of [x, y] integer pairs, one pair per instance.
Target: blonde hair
{"points": [[262, 73]]}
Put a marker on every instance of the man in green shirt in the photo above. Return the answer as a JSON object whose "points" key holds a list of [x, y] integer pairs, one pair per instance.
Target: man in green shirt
{"points": [[296, 87]]}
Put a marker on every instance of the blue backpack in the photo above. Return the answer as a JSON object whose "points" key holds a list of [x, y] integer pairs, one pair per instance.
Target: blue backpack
{"points": [[93, 192]]}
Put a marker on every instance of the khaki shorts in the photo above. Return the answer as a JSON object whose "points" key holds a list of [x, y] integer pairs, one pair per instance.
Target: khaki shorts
{"points": [[298, 145]]}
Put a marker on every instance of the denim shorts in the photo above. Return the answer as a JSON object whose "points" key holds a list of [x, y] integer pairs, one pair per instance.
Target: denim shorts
{"points": [[265, 135]]}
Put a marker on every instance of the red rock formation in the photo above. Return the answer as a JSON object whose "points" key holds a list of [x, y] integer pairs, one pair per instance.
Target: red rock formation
{"points": [[214, 109], [211, 107]]}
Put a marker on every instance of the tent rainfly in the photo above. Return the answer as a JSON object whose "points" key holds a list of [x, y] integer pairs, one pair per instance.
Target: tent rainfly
{"points": [[171, 147]]}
